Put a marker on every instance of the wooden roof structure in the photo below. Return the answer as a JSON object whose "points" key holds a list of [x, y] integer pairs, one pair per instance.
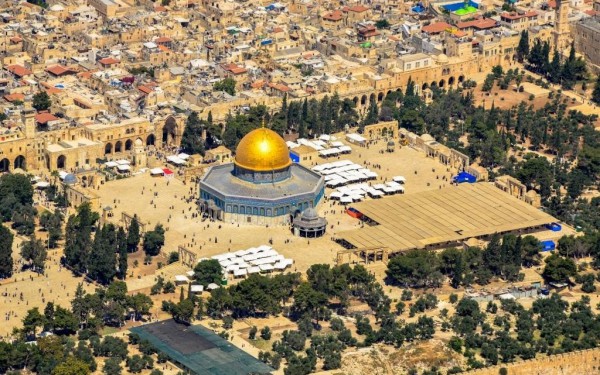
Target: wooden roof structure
{"points": [[436, 217]]}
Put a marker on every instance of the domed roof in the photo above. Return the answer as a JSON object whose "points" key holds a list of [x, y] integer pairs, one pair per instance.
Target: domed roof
{"points": [[70, 179], [442, 58], [262, 150], [310, 213]]}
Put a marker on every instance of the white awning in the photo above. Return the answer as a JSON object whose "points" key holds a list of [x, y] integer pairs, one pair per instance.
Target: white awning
{"points": [[123, 168], [197, 288], [110, 164], [240, 272], [266, 267], [181, 279], [157, 171], [123, 162], [175, 160], [42, 184]]}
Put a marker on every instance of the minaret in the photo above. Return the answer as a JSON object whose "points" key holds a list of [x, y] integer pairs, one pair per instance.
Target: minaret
{"points": [[561, 26], [140, 156], [28, 119]]}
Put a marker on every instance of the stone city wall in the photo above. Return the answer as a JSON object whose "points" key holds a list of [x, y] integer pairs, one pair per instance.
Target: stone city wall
{"points": [[574, 363]]}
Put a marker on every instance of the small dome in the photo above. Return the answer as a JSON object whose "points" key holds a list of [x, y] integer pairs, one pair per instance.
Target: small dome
{"points": [[138, 142], [310, 213], [391, 143], [70, 179], [262, 150], [442, 58]]}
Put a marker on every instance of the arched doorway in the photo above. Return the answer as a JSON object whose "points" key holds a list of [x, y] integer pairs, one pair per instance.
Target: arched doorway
{"points": [[20, 162], [61, 161], [355, 100], [425, 86], [150, 140], [169, 131], [4, 165], [461, 79], [433, 84], [128, 145], [442, 83], [371, 98], [363, 100], [380, 97], [451, 81], [108, 149], [118, 146]]}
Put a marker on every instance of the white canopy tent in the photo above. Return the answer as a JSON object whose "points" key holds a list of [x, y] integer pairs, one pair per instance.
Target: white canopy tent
{"points": [[123, 168], [42, 184], [182, 279], [175, 160], [197, 288]]}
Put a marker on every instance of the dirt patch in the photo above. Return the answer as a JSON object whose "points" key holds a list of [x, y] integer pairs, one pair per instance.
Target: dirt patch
{"points": [[386, 360]]}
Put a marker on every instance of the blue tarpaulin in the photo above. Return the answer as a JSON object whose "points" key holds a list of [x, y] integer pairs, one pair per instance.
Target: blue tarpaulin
{"points": [[265, 42], [419, 8], [548, 245], [555, 227], [295, 158], [464, 177]]}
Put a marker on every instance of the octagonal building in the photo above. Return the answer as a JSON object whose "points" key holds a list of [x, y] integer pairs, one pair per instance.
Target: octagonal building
{"points": [[262, 186]]}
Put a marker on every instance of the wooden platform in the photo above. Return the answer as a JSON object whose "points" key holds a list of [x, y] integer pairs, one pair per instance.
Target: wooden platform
{"points": [[442, 217]]}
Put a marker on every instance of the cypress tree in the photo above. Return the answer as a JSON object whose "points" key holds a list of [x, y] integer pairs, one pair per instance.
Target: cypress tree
{"points": [[596, 92], [103, 265], [133, 235], [6, 260], [122, 248], [78, 244], [523, 47]]}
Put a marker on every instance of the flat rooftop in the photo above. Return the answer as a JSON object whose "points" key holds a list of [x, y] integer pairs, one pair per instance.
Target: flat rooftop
{"points": [[221, 179], [200, 350], [452, 214]]}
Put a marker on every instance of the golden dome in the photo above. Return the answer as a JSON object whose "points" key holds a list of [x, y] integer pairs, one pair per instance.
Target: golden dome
{"points": [[262, 150]]}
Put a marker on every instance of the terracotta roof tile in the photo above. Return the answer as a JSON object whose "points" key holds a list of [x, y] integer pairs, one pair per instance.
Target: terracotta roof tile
{"points": [[45, 117], [517, 16], [14, 97], [279, 87], [336, 15], [233, 68], [436, 28], [357, 8], [481, 23], [108, 61], [145, 89], [19, 70], [59, 70]]}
